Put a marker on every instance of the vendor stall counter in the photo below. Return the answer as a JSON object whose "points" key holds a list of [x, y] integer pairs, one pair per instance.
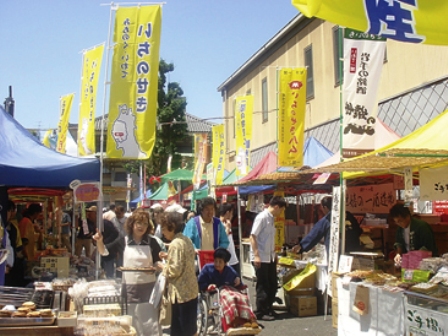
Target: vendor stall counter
{"points": [[384, 315]]}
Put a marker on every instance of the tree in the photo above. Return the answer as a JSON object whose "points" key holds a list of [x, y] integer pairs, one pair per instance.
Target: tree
{"points": [[172, 126]]}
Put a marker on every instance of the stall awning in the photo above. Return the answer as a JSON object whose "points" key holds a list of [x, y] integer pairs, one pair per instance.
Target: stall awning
{"points": [[425, 147]]}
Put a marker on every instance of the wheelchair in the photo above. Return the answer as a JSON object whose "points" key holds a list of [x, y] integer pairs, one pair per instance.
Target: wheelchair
{"points": [[211, 313]]}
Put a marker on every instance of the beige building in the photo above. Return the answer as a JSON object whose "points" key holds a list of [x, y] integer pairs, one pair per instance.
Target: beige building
{"points": [[413, 88]]}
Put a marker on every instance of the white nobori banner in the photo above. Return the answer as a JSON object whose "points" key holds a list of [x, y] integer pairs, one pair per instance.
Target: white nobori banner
{"points": [[363, 62]]}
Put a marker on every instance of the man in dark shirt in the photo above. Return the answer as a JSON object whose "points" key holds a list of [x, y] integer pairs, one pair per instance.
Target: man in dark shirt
{"points": [[86, 231], [16, 276]]}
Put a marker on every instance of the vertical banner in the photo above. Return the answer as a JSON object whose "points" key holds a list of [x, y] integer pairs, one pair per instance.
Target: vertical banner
{"points": [[434, 184], [243, 133], [200, 155], [134, 82], [65, 109], [219, 152], [279, 224], [291, 116], [408, 185], [363, 62], [91, 66], [333, 251]]}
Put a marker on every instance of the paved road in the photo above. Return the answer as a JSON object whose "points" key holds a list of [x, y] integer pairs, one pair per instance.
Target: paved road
{"points": [[288, 324]]}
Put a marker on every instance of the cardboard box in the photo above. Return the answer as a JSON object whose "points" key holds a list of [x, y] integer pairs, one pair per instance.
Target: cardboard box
{"points": [[59, 265], [334, 285], [306, 286], [334, 313], [303, 305]]}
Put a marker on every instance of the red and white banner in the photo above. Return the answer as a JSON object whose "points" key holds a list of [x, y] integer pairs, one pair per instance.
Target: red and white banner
{"points": [[363, 62]]}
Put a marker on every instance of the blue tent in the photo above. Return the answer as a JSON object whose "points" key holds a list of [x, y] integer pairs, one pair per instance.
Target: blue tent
{"points": [[314, 153], [25, 162], [139, 199]]}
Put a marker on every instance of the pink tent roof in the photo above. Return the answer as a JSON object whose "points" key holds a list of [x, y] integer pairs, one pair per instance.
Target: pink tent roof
{"points": [[267, 165]]}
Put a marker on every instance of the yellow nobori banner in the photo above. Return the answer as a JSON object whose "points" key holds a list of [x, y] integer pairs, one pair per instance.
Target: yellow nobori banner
{"points": [[291, 116], [64, 109], [219, 152], [91, 66], [243, 133], [200, 154], [134, 82], [422, 21]]}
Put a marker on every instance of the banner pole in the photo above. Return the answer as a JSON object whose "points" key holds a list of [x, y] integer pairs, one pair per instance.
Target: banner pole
{"points": [[99, 213], [276, 113]]}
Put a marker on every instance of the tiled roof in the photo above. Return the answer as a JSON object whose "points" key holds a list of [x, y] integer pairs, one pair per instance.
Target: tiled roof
{"points": [[194, 124]]}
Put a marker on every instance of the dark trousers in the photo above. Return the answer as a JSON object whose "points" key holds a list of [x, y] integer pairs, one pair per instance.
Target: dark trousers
{"points": [[266, 287], [109, 267]]}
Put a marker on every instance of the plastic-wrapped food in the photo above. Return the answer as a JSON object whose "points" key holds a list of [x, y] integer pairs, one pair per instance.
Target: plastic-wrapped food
{"points": [[432, 264]]}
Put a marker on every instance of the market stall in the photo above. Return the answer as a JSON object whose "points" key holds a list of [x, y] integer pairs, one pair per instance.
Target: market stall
{"points": [[421, 156]]}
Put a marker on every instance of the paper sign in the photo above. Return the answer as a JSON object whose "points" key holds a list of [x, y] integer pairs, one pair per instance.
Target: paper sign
{"points": [[345, 264], [371, 198], [434, 184]]}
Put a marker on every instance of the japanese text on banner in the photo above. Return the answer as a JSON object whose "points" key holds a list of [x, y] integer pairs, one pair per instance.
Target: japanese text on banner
{"points": [[370, 198], [134, 82], [243, 133], [279, 224], [291, 116], [65, 109], [91, 66], [363, 62], [200, 154], [421, 21], [219, 152]]}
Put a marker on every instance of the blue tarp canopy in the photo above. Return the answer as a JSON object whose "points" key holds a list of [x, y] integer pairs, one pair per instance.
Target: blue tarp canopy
{"points": [[140, 198], [314, 153], [25, 162]]}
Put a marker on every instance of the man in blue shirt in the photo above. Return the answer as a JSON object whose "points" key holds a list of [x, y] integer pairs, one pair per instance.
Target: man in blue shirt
{"points": [[320, 230], [206, 231]]}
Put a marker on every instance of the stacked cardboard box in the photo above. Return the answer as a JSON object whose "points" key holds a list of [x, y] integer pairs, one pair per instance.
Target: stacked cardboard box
{"points": [[301, 300]]}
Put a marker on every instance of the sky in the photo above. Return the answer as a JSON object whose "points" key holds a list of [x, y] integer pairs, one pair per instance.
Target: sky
{"points": [[206, 40]]}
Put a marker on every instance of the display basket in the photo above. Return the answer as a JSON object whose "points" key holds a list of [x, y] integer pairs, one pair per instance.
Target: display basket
{"points": [[204, 258]]}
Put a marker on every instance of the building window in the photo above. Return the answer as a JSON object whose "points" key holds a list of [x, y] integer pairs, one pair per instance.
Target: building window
{"points": [[309, 71], [385, 54], [338, 47], [264, 99]]}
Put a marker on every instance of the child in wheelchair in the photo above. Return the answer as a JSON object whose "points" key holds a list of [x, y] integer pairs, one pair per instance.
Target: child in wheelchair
{"points": [[235, 305]]}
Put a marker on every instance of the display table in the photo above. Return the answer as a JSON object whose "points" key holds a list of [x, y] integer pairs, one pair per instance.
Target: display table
{"points": [[385, 314], [37, 331]]}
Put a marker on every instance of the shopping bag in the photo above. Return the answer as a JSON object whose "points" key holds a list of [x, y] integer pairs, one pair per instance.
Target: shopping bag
{"points": [[157, 292], [362, 300]]}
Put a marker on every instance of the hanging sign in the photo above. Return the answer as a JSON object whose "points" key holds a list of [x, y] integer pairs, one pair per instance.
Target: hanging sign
{"points": [[422, 321], [87, 192], [434, 184], [333, 250], [371, 198], [408, 184]]}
